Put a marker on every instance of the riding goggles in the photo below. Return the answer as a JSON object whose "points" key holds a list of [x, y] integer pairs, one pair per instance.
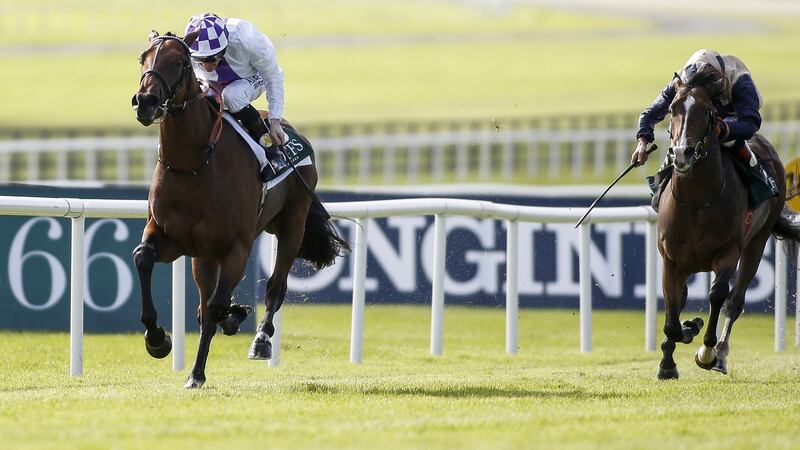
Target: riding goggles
{"points": [[210, 59]]}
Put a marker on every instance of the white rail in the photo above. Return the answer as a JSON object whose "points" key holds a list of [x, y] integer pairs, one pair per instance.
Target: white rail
{"points": [[397, 158], [441, 208]]}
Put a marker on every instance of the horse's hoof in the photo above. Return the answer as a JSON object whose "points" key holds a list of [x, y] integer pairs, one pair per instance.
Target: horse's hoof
{"points": [[236, 315], [707, 366], [668, 374], [242, 312], [694, 325], [720, 366], [158, 344], [230, 326], [217, 312], [261, 348], [194, 382]]}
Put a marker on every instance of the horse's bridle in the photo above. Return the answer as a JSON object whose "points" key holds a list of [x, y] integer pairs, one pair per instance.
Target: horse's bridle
{"points": [[700, 152], [700, 149], [166, 105]]}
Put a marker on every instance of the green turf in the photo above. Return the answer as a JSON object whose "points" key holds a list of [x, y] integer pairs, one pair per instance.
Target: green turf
{"points": [[474, 396], [423, 60]]}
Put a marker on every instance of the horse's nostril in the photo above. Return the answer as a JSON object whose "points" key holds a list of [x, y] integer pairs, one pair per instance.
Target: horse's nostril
{"points": [[151, 100], [144, 100]]}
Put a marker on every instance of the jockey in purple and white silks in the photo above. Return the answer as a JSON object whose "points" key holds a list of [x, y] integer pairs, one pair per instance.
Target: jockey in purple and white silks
{"points": [[234, 54]]}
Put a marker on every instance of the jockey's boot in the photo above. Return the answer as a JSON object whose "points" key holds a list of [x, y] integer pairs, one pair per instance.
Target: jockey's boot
{"points": [[659, 181], [758, 173], [259, 131]]}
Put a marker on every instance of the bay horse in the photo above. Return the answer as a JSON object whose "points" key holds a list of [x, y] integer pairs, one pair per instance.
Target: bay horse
{"points": [[704, 224], [204, 202]]}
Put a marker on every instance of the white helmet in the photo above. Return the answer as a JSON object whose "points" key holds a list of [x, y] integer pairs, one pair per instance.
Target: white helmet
{"points": [[700, 59]]}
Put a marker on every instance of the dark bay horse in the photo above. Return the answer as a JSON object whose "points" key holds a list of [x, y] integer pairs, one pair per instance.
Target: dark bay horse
{"points": [[704, 225], [204, 202]]}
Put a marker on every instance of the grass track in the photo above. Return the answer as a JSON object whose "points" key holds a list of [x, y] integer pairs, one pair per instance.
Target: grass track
{"points": [[548, 396]]}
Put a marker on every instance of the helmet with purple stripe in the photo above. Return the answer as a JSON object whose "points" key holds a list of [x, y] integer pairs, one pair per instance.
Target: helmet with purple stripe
{"points": [[212, 37]]}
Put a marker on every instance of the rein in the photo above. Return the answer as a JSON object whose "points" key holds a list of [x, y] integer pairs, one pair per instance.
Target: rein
{"points": [[208, 150]]}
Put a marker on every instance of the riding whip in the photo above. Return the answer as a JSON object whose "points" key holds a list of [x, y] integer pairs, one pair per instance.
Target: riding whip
{"points": [[625, 172]]}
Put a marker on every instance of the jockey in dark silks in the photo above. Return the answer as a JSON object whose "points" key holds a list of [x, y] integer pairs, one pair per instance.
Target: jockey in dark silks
{"points": [[737, 105]]}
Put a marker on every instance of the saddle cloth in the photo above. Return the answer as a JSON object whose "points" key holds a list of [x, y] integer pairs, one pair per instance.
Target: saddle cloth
{"points": [[258, 152]]}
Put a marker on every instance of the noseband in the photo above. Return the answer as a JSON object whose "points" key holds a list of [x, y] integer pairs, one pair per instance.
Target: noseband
{"points": [[166, 105]]}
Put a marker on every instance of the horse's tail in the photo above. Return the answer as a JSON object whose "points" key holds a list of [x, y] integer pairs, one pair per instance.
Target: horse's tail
{"points": [[788, 227], [321, 242]]}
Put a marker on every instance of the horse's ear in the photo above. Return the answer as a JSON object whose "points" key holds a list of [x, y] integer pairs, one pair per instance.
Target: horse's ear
{"points": [[191, 37], [153, 34], [676, 80]]}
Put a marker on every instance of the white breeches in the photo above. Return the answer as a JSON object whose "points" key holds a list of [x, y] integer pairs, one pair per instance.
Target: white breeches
{"points": [[242, 92]]}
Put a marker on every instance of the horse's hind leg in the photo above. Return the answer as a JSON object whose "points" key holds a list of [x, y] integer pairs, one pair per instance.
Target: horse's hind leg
{"points": [[289, 240], [155, 247], [748, 266], [706, 356]]}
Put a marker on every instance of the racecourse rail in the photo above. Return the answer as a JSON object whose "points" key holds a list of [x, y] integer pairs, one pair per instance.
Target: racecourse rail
{"points": [[80, 209]]}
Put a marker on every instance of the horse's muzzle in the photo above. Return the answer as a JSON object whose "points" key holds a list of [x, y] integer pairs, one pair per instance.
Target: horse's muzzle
{"points": [[145, 106], [682, 157]]}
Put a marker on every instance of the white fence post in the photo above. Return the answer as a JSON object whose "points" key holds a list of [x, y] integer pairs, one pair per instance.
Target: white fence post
{"points": [[651, 286], [585, 276], [512, 287], [77, 280], [359, 277], [179, 313], [437, 298], [780, 296]]}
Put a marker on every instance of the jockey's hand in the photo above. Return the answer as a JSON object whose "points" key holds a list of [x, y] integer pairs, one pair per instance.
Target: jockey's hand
{"points": [[639, 156], [276, 134]]}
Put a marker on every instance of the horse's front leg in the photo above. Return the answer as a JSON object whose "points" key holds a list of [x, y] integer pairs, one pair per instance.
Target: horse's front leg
{"points": [[222, 278], [155, 247], [706, 356], [675, 293]]}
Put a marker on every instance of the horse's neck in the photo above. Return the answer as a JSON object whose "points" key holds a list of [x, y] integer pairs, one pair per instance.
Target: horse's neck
{"points": [[704, 182], [183, 135]]}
